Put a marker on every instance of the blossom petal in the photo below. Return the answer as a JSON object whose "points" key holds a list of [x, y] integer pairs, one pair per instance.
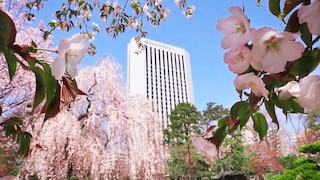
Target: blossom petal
{"points": [[206, 148], [249, 80], [310, 14], [272, 50], [284, 90], [291, 50], [79, 41], [58, 67], [71, 52], [73, 58], [64, 45], [236, 28], [237, 59], [309, 96]]}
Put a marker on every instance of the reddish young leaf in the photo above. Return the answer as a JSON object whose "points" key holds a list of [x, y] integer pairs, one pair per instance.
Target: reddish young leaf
{"points": [[69, 90], [293, 23], [211, 128]]}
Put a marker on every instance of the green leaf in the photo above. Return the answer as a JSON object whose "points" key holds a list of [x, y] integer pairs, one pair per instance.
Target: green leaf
{"points": [[260, 125], [14, 120], [290, 105], [241, 110], [51, 84], [306, 36], [218, 136], [222, 122], [7, 30], [274, 7], [46, 35], [312, 148], [270, 107], [11, 61], [12, 126], [273, 81], [306, 64], [53, 106], [52, 92], [40, 86], [24, 140], [9, 129]]}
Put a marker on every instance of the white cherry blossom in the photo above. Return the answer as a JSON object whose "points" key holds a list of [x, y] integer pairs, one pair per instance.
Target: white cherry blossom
{"points": [[70, 53]]}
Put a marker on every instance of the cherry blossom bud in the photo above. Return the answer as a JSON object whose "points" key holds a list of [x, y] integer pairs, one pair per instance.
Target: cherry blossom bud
{"points": [[179, 3], [145, 7], [189, 12], [157, 2], [116, 6]]}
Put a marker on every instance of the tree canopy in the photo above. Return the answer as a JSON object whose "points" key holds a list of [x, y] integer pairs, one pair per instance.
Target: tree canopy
{"points": [[273, 69]]}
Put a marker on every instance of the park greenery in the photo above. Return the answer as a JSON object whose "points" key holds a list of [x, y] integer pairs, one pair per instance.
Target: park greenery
{"points": [[40, 96], [235, 159]]}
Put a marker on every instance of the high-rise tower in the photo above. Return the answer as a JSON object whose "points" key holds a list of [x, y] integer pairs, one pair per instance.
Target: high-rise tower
{"points": [[161, 73]]}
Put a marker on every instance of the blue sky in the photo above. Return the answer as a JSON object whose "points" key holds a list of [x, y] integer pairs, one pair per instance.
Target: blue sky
{"points": [[212, 81]]}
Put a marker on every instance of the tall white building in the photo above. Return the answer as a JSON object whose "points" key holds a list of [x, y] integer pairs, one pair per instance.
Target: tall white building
{"points": [[161, 73]]}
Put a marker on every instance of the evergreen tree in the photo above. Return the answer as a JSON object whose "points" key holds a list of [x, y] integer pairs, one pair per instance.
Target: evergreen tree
{"points": [[212, 113], [304, 168], [184, 123], [184, 162], [233, 161]]}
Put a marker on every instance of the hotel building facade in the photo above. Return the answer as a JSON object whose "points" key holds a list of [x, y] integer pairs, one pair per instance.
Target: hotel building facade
{"points": [[161, 73]]}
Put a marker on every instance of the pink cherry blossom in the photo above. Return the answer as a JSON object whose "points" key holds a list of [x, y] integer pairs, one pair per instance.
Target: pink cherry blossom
{"points": [[310, 14], [208, 149], [249, 80], [71, 51], [307, 91], [287, 90], [272, 50], [236, 28], [238, 59], [309, 94]]}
